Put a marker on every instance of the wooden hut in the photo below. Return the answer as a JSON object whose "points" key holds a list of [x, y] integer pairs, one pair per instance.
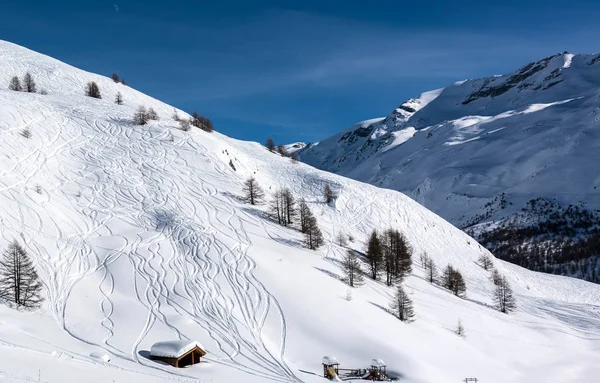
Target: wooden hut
{"points": [[330, 367], [377, 370], [177, 353]]}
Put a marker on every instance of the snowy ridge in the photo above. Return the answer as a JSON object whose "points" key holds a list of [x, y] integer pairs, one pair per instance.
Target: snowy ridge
{"points": [[532, 133], [139, 236]]}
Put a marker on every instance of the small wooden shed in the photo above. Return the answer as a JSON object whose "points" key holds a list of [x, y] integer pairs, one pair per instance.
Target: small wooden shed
{"points": [[378, 369], [177, 353], [330, 367]]}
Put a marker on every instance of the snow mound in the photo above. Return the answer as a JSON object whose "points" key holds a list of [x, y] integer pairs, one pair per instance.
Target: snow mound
{"points": [[101, 356]]}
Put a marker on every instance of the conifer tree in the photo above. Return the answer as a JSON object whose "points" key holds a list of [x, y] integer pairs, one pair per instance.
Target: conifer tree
{"points": [[305, 214], [277, 207], [453, 280], [15, 84], [352, 269], [202, 122], [28, 84], [397, 256], [496, 277], [313, 238], [282, 150], [18, 278], [270, 144], [328, 194], [504, 299], [431, 270], [485, 261], [289, 204], [374, 255], [115, 77], [141, 116], [151, 114], [119, 99], [283, 207], [185, 124], [341, 239], [253, 193], [92, 90], [401, 305], [460, 329]]}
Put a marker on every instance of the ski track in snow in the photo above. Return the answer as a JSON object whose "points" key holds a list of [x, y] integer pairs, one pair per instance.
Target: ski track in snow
{"points": [[201, 281], [142, 223]]}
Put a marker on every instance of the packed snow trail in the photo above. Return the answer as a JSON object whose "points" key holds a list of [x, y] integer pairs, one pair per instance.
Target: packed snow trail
{"points": [[139, 236]]}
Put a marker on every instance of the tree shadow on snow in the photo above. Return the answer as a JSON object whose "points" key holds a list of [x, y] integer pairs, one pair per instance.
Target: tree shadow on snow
{"points": [[387, 310], [234, 197], [259, 213], [287, 242], [329, 273]]}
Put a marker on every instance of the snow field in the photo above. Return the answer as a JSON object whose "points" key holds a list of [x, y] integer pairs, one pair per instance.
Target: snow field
{"points": [[139, 236]]}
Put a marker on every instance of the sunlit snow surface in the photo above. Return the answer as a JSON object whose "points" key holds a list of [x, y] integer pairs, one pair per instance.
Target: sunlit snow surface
{"points": [[139, 236]]}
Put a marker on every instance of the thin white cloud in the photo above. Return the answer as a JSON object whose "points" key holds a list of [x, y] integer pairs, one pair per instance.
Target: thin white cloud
{"points": [[116, 7]]}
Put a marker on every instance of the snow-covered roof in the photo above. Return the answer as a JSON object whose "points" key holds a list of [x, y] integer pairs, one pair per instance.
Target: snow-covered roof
{"points": [[377, 362], [330, 360], [173, 348]]}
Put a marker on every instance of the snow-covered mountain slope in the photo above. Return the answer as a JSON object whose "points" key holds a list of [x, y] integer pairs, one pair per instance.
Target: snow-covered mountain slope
{"points": [[139, 236], [479, 150]]}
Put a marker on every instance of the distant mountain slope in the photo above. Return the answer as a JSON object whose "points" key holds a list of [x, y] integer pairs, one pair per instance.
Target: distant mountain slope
{"points": [[479, 151]]}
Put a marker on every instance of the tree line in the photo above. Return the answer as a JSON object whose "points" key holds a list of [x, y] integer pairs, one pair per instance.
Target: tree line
{"points": [[562, 240], [141, 116], [387, 256], [270, 145], [28, 84]]}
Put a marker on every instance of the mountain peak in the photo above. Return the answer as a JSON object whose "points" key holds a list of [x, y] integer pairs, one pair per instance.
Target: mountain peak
{"points": [[511, 138]]}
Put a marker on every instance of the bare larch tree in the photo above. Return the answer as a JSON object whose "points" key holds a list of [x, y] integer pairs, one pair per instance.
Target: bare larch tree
{"points": [[504, 299], [202, 122], [92, 90], [374, 255], [352, 269], [28, 84], [401, 305], [270, 144], [431, 269], [18, 278], [453, 280], [15, 84], [460, 329], [152, 115], [328, 195], [141, 116], [313, 238], [486, 262], [282, 150], [253, 193]]}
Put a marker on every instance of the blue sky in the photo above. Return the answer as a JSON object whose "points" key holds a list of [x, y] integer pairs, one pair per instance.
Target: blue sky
{"points": [[297, 70]]}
